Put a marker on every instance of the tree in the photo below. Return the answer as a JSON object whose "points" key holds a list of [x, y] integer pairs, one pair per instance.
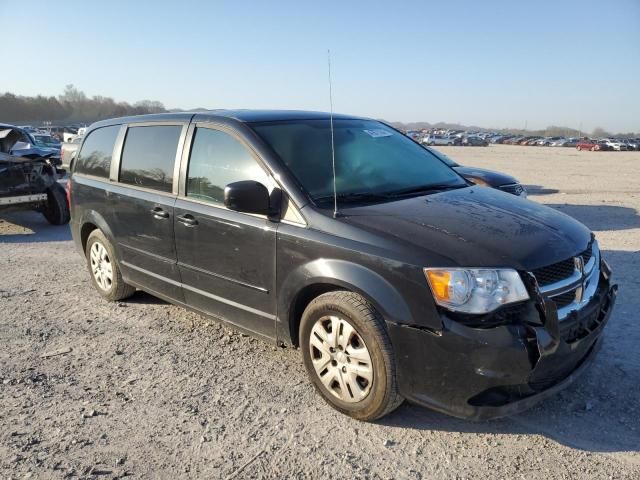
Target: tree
{"points": [[599, 133], [72, 95], [70, 107]]}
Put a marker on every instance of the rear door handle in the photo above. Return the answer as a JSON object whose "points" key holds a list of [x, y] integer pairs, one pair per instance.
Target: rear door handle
{"points": [[159, 213], [188, 220]]}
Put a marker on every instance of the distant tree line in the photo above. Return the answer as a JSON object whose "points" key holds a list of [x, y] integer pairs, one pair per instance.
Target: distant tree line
{"points": [[73, 106]]}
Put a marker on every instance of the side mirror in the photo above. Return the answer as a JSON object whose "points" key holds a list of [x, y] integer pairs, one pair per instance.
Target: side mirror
{"points": [[248, 196]]}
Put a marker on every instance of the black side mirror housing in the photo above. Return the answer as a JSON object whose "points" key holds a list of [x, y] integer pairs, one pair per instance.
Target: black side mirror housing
{"points": [[248, 196]]}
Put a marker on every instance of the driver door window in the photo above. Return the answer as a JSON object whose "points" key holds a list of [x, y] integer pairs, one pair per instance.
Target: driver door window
{"points": [[218, 159]]}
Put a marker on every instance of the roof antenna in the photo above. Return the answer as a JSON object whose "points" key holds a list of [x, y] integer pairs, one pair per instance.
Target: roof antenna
{"points": [[333, 151]]}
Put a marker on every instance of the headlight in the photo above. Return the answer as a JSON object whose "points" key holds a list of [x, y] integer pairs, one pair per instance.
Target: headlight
{"points": [[475, 290]]}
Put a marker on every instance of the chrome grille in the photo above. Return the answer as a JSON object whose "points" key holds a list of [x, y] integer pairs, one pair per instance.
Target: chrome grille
{"points": [[554, 273], [561, 270], [565, 299], [568, 284]]}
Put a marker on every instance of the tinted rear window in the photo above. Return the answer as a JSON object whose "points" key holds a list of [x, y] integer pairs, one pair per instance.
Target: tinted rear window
{"points": [[95, 156], [148, 156]]}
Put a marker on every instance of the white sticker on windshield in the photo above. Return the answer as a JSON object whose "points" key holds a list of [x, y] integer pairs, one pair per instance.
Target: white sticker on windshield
{"points": [[377, 133]]}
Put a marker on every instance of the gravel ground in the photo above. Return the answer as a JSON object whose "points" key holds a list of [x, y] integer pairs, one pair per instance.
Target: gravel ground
{"points": [[144, 389]]}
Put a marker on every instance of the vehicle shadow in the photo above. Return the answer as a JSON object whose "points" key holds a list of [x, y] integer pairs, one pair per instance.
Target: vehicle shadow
{"points": [[599, 412], [601, 217], [30, 227], [144, 298], [540, 190]]}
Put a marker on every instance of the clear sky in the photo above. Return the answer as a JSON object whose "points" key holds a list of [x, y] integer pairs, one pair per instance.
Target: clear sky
{"points": [[486, 63]]}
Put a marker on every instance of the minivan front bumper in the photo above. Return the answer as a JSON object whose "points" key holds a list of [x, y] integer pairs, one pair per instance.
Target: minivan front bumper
{"points": [[482, 373]]}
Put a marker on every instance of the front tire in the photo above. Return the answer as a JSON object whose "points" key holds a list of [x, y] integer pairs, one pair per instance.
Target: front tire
{"points": [[104, 270], [348, 355]]}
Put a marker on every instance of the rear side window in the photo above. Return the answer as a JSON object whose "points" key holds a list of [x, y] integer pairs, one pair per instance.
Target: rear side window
{"points": [[218, 159], [95, 156], [149, 155]]}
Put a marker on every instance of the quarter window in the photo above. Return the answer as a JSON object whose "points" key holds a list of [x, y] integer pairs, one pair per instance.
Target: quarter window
{"points": [[149, 155], [217, 159], [95, 156]]}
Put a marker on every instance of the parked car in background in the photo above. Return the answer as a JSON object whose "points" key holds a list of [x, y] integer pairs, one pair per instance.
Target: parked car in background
{"points": [[29, 178], [69, 150], [615, 144], [62, 133], [569, 142], [513, 140], [18, 142], [440, 140], [632, 144], [593, 145], [474, 141], [547, 141], [46, 141], [482, 177]]}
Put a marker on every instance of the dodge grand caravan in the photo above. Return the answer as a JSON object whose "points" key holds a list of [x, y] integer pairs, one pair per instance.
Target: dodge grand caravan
{"points": [[407, 283]]}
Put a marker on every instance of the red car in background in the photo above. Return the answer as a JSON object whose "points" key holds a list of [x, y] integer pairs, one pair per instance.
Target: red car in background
{"points": [[593, 145]]}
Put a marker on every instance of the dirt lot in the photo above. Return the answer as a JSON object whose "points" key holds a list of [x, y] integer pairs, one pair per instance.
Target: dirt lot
{"points": [[146, 389]]}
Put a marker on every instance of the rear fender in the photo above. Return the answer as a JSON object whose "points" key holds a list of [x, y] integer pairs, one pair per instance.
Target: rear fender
{"points": [[93, 217]]}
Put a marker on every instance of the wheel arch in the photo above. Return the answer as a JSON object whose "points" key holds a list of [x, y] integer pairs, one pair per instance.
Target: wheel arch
{"points": [[91, 221], [325, 275]]}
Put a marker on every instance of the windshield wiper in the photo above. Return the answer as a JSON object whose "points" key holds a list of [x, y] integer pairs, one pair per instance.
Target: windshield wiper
{"points": [[354, 197], [424, 189]]}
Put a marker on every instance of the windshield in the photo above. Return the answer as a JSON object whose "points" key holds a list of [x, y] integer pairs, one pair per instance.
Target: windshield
{"points": [[44, 140], [371, 158]]}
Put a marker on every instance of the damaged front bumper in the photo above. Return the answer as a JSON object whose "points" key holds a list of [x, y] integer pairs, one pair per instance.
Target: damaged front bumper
{"points": [[482, 373]]}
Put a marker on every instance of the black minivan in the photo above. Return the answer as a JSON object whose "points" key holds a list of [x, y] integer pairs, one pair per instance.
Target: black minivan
{"points": [[395, 277]]}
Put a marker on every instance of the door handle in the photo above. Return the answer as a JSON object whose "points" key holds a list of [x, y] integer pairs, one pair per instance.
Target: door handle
{"points": [[159, 213], [188, 220]]}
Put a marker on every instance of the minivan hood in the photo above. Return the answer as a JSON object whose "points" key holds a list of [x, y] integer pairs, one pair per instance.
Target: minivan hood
{"points": [[474, 227]]}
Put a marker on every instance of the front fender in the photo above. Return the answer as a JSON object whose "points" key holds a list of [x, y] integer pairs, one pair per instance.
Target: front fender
{"points": [[341, 274]]}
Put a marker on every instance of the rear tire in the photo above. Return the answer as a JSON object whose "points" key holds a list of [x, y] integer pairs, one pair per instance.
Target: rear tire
{"points": [[104, 270], [348, 355], [56, 209]]}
